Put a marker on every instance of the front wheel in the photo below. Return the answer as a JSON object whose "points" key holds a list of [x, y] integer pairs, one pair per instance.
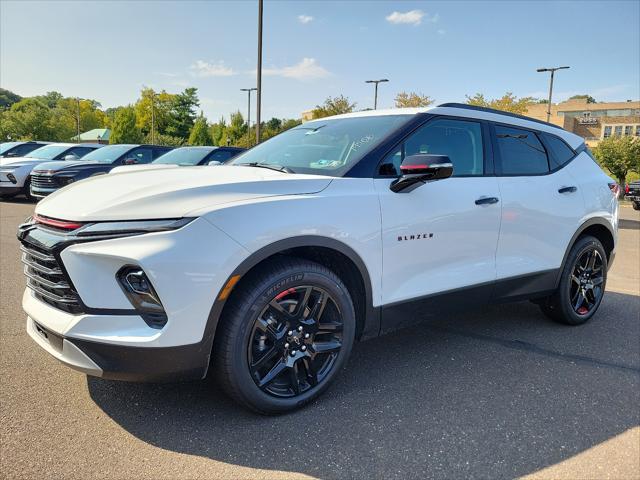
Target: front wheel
{"points": [[581, 286], [284, 335], [26, 190], [636, 205]]}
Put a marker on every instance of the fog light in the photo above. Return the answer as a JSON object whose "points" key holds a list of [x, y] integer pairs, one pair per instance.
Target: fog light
{"points": [[12, 178], [136, 286]]}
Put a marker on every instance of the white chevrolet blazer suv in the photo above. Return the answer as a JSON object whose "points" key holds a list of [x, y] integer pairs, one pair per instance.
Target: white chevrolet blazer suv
{"points": [[265, 271]]}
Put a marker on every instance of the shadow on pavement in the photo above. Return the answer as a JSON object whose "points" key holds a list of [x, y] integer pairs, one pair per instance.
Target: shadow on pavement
{"points": [[629, 224], [498, 393]]}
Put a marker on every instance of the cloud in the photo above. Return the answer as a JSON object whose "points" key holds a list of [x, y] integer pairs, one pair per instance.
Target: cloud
{"points": [[441, 31], [306, 69], [304, 19], [206, 69], [168, 74], [412, 17]]}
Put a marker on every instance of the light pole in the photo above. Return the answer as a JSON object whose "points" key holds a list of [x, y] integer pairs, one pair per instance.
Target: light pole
{"points": [[552, 70], [259, 73], [153, 118], [78, 117], [375, 98], [248, 90]]}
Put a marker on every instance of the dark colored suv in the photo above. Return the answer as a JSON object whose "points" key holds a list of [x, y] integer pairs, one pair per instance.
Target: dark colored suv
{"points": [[49, 177]]}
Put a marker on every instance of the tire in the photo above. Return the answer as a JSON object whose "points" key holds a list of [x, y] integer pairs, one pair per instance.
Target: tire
{"points": [[636, 205], [253, 332], [582, 284], [26, 190]]}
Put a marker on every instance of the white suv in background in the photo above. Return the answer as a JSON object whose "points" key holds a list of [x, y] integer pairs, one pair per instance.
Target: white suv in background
{"points": [[265, 271], [15, 172]]}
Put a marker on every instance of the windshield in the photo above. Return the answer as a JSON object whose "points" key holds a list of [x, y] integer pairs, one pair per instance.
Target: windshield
{"points": [[107, 154], [184, 156], [6, 146], [48, 152], [323, 147]]}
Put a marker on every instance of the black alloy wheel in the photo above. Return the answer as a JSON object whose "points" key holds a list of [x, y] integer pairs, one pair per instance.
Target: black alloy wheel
{"points": [[587, 282], [295, 341], [285, 333], [582, 284]]}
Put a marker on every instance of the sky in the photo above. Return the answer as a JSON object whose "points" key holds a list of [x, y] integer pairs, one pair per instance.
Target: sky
{"points": [[109, 50]]}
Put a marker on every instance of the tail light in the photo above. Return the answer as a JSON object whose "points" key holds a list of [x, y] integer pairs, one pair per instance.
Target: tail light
{"points": [[615, 189]]}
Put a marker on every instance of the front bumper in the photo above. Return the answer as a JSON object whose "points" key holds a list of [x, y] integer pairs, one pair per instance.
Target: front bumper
{"points": [[42, 192], [187, 267], [8, 188]]}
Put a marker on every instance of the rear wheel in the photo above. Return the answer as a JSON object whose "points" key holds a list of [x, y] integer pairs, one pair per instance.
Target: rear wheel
{"points": [[284, 335], [581, 286]]}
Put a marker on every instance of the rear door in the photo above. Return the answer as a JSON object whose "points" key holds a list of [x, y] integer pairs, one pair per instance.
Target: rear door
{"points": [[442, 236], [541, 207]]}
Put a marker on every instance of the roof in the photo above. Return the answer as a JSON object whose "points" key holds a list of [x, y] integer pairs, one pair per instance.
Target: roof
{"points": [[479, 113], [95, 134]]}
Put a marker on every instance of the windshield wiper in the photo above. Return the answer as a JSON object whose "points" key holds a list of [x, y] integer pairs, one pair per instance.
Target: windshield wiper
{"points": [[270, 166]]}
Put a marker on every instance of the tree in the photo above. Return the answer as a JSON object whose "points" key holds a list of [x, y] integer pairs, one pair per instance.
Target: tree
{"points": [[334, 106], [412, 99], [619, 155], [237, 128], [507, 103], [125, 127], [28, 119], [156, 108], [589, 98], [200, 132], [218, 132], [8, 98], [183, 112]]}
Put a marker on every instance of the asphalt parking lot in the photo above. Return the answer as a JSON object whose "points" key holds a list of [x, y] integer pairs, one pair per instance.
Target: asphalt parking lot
{"points": [[498, 393]]}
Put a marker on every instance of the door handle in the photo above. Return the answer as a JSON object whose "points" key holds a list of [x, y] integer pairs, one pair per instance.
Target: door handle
{"points": [[567, 189], [486, 201]]}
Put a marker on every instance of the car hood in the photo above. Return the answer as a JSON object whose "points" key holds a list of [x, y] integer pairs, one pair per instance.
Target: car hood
{"points": [[171, 192], [63, 164], [148, 166], [19, 161]]}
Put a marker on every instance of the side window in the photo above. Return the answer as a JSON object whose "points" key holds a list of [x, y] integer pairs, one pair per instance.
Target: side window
{"points": [[158, 152], [559, 152], [79, 151], [142, 155], [22, 150], [220, 156], [460, 140], [521, 152]]}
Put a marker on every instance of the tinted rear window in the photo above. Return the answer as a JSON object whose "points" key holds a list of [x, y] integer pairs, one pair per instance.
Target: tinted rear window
{"points": [[521, 152], [559, 152]]}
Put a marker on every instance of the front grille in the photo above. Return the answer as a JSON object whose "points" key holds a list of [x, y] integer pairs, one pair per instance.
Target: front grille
{"points": [[47, 280], [43, 181]]}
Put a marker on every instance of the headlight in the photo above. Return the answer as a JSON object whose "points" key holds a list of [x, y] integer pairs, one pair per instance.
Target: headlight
{"points": [[131, 227]]}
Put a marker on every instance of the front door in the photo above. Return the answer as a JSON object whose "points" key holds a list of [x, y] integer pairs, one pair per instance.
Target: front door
{"points": [[442, 236]]}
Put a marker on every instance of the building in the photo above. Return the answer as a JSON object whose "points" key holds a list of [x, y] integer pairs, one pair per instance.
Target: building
{"points": [[97, 135], [592, 121], [307, 115]]}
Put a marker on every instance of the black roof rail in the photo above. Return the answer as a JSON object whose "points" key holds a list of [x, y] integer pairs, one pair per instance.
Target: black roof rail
{"points": [[499, 112]]}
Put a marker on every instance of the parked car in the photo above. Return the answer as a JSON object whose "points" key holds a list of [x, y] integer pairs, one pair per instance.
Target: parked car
{"points": [[19, 149], [632, 192], [266, 270], [51, 176], [187, 157], [15, 172]]}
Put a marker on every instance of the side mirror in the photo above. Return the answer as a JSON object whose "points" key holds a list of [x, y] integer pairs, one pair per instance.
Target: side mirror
{"points": [[214, 162], [421, 168], [130, 161], [71, 157]]}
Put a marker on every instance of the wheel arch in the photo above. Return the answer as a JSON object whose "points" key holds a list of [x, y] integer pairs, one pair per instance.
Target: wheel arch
{"points": [[334, 254], [598, 228]]}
